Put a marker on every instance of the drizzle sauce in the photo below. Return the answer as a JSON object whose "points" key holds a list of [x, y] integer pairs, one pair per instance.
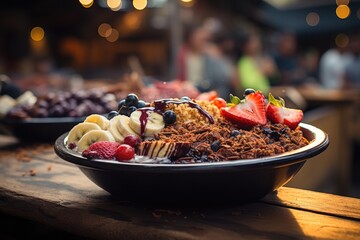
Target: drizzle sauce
{"points": [[160, 106]]}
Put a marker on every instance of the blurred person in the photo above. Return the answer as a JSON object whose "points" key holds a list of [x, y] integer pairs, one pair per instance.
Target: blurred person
{"points": [[352, 71], [254, 68], [332, 67], [198, 66], [286, 59]]}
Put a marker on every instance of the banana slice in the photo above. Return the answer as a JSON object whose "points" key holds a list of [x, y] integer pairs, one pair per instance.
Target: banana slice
{"points": [[161, 149], [79, 130], [123, 125], [149, 126], [94, 136], [98, 119], [113, 129]]}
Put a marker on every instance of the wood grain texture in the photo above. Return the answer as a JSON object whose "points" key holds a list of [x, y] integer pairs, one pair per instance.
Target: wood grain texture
{"points": [[58, 194]]}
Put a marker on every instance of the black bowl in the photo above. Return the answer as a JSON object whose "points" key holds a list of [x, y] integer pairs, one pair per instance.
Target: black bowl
{"points": [[39, 129], [240, 180]]}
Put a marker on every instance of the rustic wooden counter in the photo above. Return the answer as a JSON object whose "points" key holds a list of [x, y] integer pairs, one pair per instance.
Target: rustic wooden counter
{"points": [[36, 185]]}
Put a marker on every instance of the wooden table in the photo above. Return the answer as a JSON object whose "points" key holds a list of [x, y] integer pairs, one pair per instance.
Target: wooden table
{"points": [[36, 185]]}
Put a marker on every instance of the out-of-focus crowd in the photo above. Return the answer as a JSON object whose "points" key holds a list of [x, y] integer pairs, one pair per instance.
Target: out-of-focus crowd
{"points": [[231, 62]]}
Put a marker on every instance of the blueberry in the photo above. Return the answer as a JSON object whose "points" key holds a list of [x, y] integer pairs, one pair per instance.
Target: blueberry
{"points": [[235, 133], [185, 98], [169, 117], [215, 146], [123, 110], [130, 110], [248, 91], [141, 104], [121, 104], [112, 114], [267, 131], [131, 100], [275, 135]]}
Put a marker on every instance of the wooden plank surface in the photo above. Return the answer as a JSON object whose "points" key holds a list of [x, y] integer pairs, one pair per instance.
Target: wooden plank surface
{"points": [[35, 184]]}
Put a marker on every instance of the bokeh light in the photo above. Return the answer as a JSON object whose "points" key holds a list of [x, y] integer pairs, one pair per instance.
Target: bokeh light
{"points": [[139, 4], [342, 11], [342, 2], [37, 34], [86, 3], [187, 3], [312, 19], [132, 20], [114, 5], [341, 40], [358, 13], [113, 36], [103, 29]]}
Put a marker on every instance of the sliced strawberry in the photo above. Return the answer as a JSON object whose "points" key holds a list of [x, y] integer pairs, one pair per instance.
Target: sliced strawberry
{"points": [[276, 112], [101, 150], [247, 113]]}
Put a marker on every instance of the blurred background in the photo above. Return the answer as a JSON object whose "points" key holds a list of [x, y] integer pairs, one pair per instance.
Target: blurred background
{"points": [[305, 51]]}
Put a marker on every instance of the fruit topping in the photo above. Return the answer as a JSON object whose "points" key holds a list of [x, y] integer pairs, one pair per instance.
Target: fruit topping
{"points": [[100, 120], [277, 113], [248, 113], [132, 140], [142, 104], [209, 96], [112, 114], [131, 100], [215, 146], [79, 130], [124, 153], [219, 102], [146, 122], [101, 150], [94, 136], [248, 91], [169, 117]]}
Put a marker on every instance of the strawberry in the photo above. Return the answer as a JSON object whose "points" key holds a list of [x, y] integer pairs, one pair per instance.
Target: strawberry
{"points": [[209, 96], [277, 113], [101, 150], [246, 113]]}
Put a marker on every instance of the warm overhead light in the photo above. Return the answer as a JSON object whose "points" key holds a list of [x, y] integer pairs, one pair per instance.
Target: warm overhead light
{"points": [[139, 4], [103, 29], [86, 3], [341, 40], [37, 34], [187, 3], [114, 5], [342, 11], [114, 35], [342, 2], [312, 19]]}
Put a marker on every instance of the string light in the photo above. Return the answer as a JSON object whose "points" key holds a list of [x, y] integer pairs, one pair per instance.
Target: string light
{"points": [[37, 34], [103, 29], [139, 4], [114, 5], [86, 3], [342, 11]]}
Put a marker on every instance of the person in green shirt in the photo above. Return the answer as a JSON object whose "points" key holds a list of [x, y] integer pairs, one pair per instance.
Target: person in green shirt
{"points": [[254, 69]]}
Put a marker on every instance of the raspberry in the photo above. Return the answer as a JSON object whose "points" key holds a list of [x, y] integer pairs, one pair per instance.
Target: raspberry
{"points": [[101, 150]]}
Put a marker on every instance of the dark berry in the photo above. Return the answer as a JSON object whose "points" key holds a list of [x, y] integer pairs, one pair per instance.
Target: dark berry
{"points": [[112, 114], [248, 91], [142, 104], [267, 131], [123, 110], [131, 100], [169, 117], [275, 135], [235, 133], [132, 140], [215, 146], [185, 98], [72, 145], [121, 104], [130, 110]]}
